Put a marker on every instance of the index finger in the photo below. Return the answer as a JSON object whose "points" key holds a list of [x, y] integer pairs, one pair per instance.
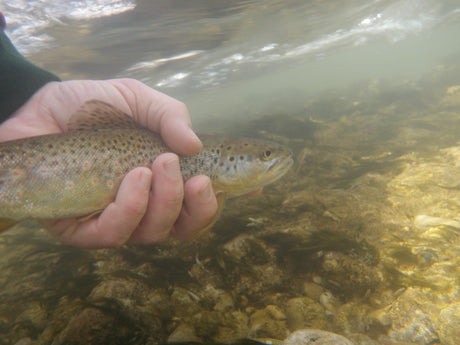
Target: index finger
{"points": [[161, 113]]}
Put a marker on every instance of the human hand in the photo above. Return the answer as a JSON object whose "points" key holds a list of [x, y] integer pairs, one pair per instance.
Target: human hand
{"points": [[150, 205]]}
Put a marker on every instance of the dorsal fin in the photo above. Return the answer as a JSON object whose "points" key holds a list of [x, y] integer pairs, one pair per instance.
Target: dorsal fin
{"points": [[98, 114]]}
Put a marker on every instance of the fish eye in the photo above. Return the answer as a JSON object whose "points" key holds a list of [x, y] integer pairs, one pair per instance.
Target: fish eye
{"points": [[267, 154]]}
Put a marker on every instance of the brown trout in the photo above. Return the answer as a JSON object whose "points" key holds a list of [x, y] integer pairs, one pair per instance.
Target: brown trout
{"points": [[77, 173]]}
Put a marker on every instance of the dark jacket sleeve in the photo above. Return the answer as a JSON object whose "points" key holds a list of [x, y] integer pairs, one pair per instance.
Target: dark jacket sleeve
{"points": [[19, 78]]}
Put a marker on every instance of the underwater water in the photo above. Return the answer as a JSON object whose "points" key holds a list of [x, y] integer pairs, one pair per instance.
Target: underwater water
{"points": [[360, 238]]}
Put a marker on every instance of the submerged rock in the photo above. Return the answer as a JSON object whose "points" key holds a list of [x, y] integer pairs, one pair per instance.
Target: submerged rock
{"points": [[183, 333], [304, 312], [315, 337], [94, 326], [449, 325], [265, 324], [413, 318], [360, 238]]}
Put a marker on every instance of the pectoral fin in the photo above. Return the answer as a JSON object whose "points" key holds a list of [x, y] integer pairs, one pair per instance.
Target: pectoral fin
{"points": [[5, 224], [221, 197]]}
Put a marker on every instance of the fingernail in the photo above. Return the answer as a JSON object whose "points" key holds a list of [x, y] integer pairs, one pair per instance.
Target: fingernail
{"points": [[206, 192], [144, 179], [172, 169], [192, 133]]}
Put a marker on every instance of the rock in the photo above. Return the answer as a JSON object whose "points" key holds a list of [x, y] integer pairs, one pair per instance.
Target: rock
{"points": [[329, 302], [131, 298], [93, 326], [304, 312], [235, 326], [449, 325], [126, 291], [184, 303], [313, 290], [263, 325], [315, 337], [353, 276], [380, 317], [245, 247], [221, 299], [35, 313], [412, 318], [24, 341], [352, 317], [275, 312], [183, 333], [361, 339]]}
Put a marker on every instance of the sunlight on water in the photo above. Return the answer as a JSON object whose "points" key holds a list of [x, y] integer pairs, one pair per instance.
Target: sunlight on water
{"points": [[216, 59]]}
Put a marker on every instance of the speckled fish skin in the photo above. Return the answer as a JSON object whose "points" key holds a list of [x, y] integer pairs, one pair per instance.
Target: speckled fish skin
{"points": [[77, 173]]}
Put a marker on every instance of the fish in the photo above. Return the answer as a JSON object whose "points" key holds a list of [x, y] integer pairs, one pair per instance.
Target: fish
{"points": [[76, 174]]}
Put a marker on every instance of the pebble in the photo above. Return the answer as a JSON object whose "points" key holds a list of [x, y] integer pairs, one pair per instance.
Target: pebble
{"points": [[449, 325], [302, 312], [315, 337], [263, 325], [275, 312], [24, 341], [183, 333]]}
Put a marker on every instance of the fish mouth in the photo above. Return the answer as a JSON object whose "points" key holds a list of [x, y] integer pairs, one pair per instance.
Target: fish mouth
{"points": [[281, 164]]}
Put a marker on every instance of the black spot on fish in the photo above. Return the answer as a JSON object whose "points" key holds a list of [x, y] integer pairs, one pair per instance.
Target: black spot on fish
{"points": [[231, 159]]}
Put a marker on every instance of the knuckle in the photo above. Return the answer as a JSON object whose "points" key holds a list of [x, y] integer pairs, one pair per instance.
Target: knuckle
{"points": [[176, 197], [181, 106]]}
